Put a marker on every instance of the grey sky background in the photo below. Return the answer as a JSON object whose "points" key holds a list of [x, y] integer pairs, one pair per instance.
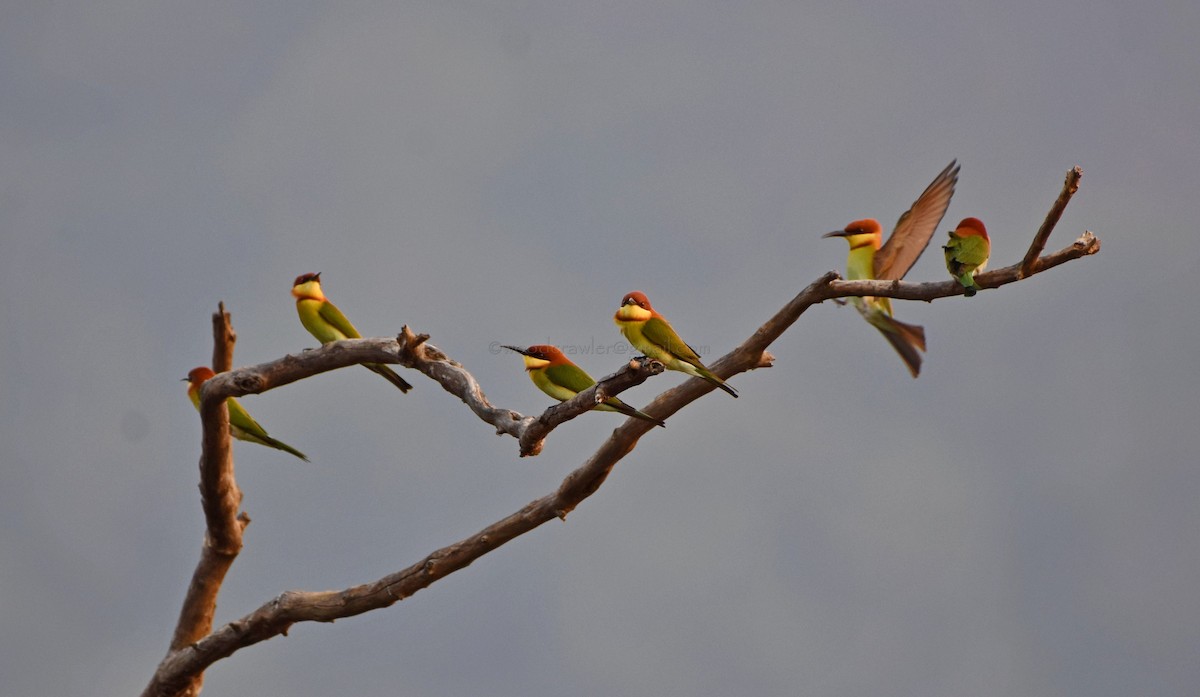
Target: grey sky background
{"points": [[1021, 520]]}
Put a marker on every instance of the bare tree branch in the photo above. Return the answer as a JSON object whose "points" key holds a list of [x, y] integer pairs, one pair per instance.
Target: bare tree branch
{"points": [[220, 498], [413, 351], [224, 339], [529, 431], [1070, 186], [1086, 245], [184, 664]]}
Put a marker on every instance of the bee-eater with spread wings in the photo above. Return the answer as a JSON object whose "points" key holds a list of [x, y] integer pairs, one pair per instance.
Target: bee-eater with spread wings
{"points": [[651, 334], [557, 376], [891, 260], [323, 320], [241, 425]]}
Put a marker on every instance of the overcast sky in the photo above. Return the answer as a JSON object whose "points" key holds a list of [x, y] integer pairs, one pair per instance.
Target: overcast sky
{"points": [[1023, 519]]}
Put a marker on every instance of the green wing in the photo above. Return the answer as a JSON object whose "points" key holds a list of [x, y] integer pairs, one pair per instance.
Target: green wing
{"points": [[661, 334], [331, 314], [575, 379], [239, 417], [244, 427], [965, 254], [954, 262], [571, 377], [973, 250]]}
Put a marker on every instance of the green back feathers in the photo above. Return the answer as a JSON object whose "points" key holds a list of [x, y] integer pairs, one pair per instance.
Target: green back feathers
{"points": [[325, 321]]}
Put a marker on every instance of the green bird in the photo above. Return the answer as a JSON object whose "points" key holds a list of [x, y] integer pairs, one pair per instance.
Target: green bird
{"points": [[557, 376], [241, 425], [653, 335], [869, 260], [323, 320], [967, 253]]}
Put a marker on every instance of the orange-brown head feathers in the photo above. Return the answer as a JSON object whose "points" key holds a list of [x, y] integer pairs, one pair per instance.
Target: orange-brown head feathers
{"points": [[860, 233], [971, 226], [541, 356], [635, 307], [638, 298], [546, 352], [198, 375], [866, 226]]}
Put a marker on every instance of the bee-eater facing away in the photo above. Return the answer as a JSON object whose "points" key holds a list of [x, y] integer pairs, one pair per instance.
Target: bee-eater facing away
{"points": [[241, 425], [651, 334], [868, 260], [323, 320], [967, 253], [557, 376]]}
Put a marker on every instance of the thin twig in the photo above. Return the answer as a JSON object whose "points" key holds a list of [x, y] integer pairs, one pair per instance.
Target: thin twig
{"points": [[1070, 186], [224, 339]]}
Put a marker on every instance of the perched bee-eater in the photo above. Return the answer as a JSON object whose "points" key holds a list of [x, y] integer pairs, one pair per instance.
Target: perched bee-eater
{"points": [[241, 425], [868, 260], [967, 253], [651, 334], [557, 376], [323, 320]]}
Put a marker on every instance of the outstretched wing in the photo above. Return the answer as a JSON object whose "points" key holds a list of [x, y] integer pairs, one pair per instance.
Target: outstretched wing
{"points": [[916, 227]]}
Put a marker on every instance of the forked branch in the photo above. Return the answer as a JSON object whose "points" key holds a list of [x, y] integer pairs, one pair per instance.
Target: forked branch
{"points": [[1029, 264]]}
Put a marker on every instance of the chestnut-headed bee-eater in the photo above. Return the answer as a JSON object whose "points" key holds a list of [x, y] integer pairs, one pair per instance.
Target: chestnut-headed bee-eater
{"points": [[323, 320], [557, 376], [890, 261], [652, 334], [241, 425], [967, 253]]}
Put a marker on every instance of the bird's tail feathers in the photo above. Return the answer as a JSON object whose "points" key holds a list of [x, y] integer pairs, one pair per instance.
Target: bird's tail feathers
{"points": [[630, 411], [702, 372], [389, 374], [907, 339], [264, 439], [280, 445], [968, 282]]}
